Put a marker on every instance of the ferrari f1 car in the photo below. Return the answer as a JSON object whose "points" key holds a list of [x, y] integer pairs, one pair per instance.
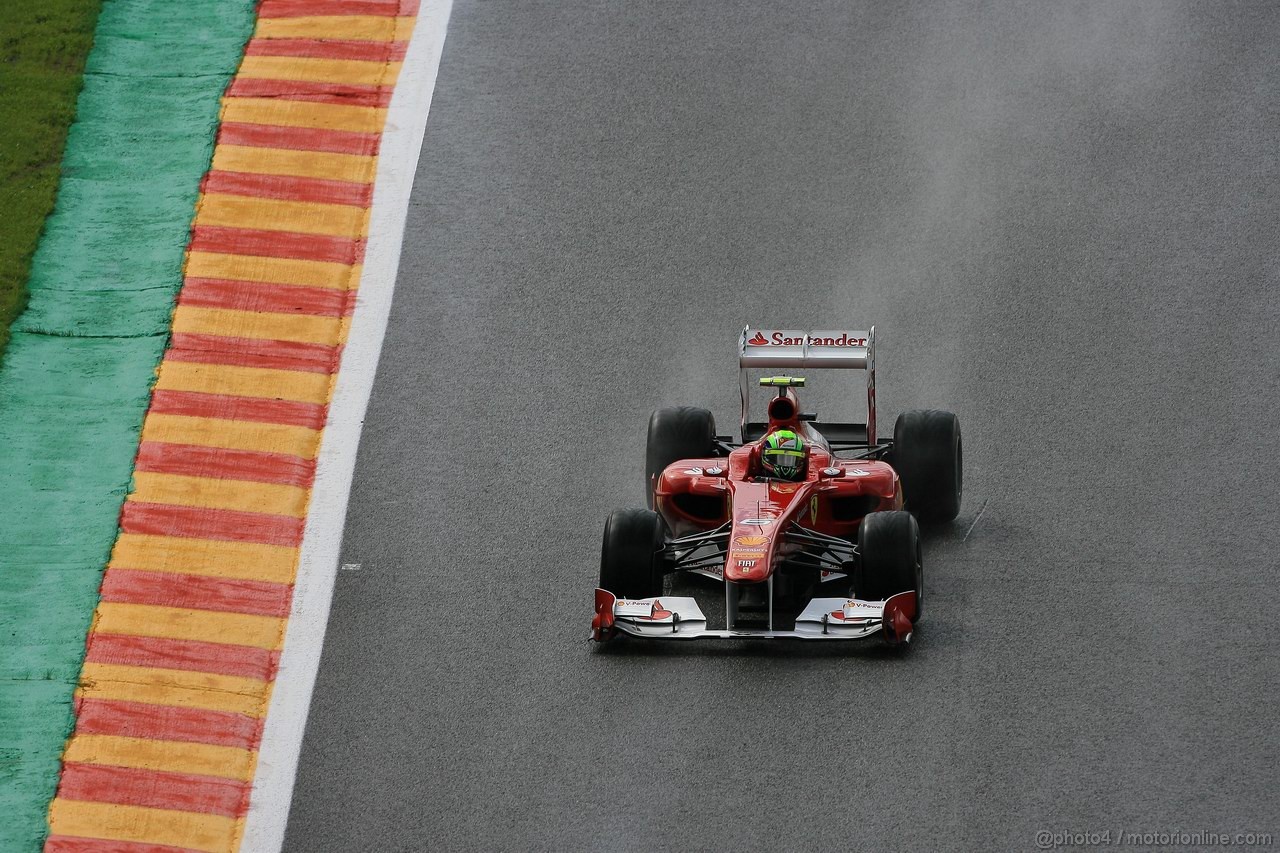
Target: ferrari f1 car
{"points": [[832, 553]]}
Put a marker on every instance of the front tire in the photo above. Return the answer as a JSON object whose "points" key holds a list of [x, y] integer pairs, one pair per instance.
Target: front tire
{"points": [[631, 564], [675, 433], [889, 557], [928, 456]]}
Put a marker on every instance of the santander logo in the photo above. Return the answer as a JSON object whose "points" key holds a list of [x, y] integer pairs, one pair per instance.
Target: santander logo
{"points": [[778, 339]]}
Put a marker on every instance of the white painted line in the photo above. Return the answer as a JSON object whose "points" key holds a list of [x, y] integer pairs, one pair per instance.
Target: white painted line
{"points": [[976, 519], [322, 537]]}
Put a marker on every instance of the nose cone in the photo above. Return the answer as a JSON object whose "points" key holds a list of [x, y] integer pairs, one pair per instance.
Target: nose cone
{"points": [[758, 517], [750, 552], [746, 567]]}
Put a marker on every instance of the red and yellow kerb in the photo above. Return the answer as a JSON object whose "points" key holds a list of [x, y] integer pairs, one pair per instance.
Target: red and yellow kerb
{"points": [[185, 643]]}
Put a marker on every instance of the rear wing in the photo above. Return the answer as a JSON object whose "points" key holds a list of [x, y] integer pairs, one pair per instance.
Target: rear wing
{"points": [[769, 348]]}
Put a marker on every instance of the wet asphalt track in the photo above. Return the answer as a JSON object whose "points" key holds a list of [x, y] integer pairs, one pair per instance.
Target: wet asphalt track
{"points": [[1061, 217]]}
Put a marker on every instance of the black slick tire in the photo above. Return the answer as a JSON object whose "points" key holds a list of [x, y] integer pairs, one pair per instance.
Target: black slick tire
{"points": [[631, 565], [889, 557], [928, 456], [675, 433]]}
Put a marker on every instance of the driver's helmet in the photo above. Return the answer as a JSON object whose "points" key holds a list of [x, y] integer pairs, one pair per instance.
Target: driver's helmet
{"points": [[784, 455]]}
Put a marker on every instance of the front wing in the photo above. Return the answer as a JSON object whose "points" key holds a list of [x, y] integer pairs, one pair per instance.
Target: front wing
{"points": [[676, 618]]}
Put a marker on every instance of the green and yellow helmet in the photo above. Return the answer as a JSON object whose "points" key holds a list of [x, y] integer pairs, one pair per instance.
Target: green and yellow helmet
{"points": [[784, 455]]}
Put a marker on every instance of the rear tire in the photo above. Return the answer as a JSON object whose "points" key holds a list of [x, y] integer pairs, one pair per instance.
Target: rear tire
{"points": [[675, 433], [928, 456], [889, 557], [631, 565]]}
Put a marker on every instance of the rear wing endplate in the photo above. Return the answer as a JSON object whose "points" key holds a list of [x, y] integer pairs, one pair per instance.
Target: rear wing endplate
{"points": [[770, 348]]}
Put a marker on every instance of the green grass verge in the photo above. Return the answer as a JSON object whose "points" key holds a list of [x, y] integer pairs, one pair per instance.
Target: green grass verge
{"points": [[43, 45]]}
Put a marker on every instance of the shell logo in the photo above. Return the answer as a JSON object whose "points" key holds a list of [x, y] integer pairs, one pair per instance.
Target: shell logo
{"points": [[751, 541]]}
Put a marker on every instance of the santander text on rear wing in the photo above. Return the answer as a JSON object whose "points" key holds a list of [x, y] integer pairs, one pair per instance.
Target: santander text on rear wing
{"points": [[791, 348], [795, 348]]}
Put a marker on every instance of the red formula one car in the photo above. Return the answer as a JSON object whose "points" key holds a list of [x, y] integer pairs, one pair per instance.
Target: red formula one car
{"points": [[830, 551]]}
